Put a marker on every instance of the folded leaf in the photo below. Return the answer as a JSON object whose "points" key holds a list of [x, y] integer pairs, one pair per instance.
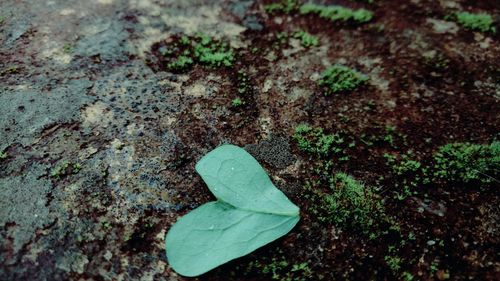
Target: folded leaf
{"points": [[216, 233], [235, 177], [250, 213]]}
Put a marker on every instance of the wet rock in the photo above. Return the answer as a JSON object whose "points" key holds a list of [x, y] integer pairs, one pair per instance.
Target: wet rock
{"points": [[40, 110], [252, 22], [23, 209], [73, 262], [240, 8], [106, 38]]}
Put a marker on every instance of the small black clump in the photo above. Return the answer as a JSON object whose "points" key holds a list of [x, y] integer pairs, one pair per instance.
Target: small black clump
{"points": [[275, 151]]}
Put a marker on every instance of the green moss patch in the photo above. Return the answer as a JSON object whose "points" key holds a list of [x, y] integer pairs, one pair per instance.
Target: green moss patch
{"points": [[211, 52], [466, 163], [337, 13], [65, 168], [340, 78], [283, 6], [409, 174], [314, 140], [306, 40], [237, 102], [480, 22], [183, 52], [319, 144], [348, 204]]}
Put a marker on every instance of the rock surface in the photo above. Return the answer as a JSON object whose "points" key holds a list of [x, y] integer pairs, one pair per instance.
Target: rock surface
{"points": [[101, 146]]}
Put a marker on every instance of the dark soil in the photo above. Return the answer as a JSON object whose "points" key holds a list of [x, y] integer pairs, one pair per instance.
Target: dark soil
{"points": [[433, 105]]}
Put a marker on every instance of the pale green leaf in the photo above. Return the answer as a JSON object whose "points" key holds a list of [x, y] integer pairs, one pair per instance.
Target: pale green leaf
{"points": [[250, 213], [235, 177]]}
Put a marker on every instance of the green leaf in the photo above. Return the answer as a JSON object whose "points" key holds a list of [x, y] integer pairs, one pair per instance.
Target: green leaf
{"points": [[235, 177], [250, 213]]}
